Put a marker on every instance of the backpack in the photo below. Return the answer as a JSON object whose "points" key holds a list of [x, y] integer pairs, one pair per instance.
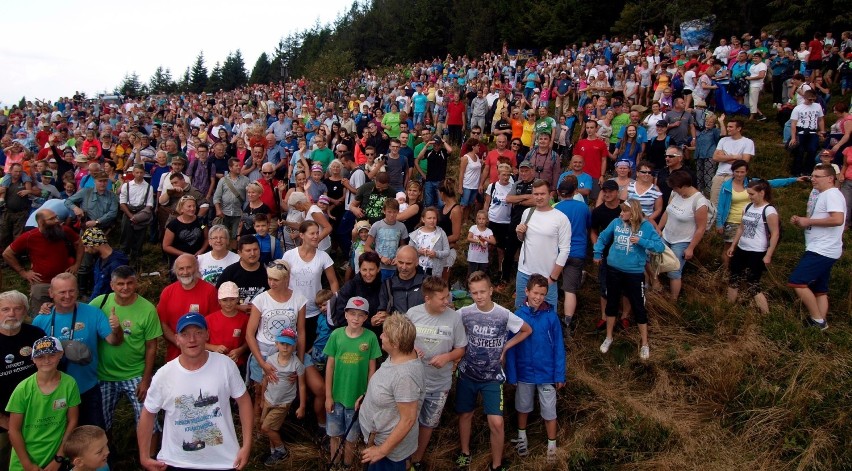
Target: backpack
{"points": [[711, 212], [765, 222], [677, 83]]}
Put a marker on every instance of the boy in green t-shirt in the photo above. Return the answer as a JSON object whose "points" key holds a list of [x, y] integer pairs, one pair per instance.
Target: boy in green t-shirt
{"points": [[43, 410], [352, 353]]}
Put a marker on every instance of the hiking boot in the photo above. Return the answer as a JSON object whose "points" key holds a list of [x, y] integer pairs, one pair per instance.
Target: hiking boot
{"points": [[644, 352], [606, 344], [567, 327], [521, 446], [551, 455], [462, 461], [601, 325], [810, 322], [277, 457]]}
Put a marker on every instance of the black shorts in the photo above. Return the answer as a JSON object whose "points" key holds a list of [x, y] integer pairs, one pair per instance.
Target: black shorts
{"points": [[747, 266]]}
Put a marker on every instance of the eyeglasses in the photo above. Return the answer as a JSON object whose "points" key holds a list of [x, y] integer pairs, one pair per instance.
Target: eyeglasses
{"points": [[267, 173], [644, 172]]}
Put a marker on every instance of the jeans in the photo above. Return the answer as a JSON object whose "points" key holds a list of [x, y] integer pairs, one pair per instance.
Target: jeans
{"points": [[344, 233], [521, 286], [430, 197], [804, 155]]}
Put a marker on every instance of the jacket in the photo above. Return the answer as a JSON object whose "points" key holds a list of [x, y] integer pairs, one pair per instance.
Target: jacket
{"points": [[624, 255], [726, 193], [356, 287], [441, 248], [540, 358]]}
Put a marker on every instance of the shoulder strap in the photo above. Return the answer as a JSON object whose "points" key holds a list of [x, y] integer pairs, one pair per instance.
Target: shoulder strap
{"points": [[103, 301], [389, 309], [529, 215], [233, 190]]}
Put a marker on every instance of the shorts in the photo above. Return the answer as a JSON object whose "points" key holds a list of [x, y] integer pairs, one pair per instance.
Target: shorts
{"points": [[255, 372], [729, 231], [474, 266], [467, 391], [433, 406], [747, 266], [546, 399], [386, 464], [338, 420], [468, 197], [317, 360], [272, 417], [678, 248], [572, 275], [813, 271]]}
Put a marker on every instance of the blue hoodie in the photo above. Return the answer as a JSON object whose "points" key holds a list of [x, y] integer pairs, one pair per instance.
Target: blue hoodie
{"points": [[624, 256], [540, 358]]}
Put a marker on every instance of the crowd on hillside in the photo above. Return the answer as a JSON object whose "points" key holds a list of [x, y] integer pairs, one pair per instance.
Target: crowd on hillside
{"points": [[313, 241]]}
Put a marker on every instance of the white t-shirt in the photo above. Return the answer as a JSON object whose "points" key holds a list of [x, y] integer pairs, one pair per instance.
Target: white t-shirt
{"points": [[274, 317], [356, 179], [547, 241], [478, 253], [325, 243], [680, 224], [807, 116], [306, 277], [425, 240], [826, 241], [755, 238], [211, 268], [689, 80], [284, 391], [754, 71], [199, 431], [499, 211], [732, 146]]}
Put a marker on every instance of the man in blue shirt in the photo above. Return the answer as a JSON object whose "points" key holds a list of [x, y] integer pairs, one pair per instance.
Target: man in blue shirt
{"points": [[572, 274]]}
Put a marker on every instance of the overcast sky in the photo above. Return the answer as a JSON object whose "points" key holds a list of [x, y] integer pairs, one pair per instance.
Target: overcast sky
{"points": [[54, 47]]}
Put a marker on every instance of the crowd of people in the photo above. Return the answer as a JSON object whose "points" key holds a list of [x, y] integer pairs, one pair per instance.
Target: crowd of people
{"points": [[312, 241]]}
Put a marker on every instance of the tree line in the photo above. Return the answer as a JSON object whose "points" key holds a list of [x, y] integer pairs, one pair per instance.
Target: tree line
{"points": [[380, 33]]}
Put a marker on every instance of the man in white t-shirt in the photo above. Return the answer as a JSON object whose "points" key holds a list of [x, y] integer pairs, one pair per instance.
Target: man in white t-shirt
{"points": [[731, 148], [546, 236], [195, 390], [807, 123], [823, 244], [722, 51]]}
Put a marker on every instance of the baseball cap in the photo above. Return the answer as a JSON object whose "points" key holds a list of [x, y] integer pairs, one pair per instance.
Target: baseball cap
{"points": [[191, 318], [47, 173], [609, 185], [663, 122], [359, 303], [287, 336], [93, 236], [525, 163], [316, 168], [229, 289], [46, 346], [323, 199]]}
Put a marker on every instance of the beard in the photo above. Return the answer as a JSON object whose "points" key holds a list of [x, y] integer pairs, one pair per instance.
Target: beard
{"points": [[53, 233], [186, 280], [11, 325]]}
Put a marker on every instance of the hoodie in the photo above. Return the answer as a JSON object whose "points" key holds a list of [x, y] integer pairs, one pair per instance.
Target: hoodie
{"points": [[624, 255]]}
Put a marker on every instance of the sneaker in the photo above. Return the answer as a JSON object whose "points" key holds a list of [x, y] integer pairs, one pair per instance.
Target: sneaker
{"points": [[462, 461], [625, 323], [277, 457], [810, 322], [606, 344], [567, 323], [761, 117], [551, 455], [521, 446], [601, 325], [644, 352], [418, 466]]}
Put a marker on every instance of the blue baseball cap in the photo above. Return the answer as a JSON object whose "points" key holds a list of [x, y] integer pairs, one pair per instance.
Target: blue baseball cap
{"points": [[192, 318]]}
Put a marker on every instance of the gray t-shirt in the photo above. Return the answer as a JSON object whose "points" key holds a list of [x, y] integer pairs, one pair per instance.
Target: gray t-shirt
{"points": [[283, 392], [387, 239], [436, 335], [486, 334], [389, 385]]}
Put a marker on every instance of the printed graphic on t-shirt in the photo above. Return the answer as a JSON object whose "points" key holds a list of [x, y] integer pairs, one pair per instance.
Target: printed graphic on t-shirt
{"points": [[195, 418], [274, 321]]}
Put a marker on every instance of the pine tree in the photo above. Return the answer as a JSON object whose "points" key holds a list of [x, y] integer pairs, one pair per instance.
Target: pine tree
{"points": [[131, 86], [261, 73], [214, 84], [198, 77], [234, 71], [161, 81]]}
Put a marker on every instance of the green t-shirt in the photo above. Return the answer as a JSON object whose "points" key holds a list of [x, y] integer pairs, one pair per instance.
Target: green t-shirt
{"points": [[423, 162], [45, 417], [545, 126], [391, 123], [323, 157], [617, 123], [351, 364], [140, 323]]}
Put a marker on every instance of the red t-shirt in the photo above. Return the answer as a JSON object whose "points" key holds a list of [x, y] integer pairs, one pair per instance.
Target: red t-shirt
{"points": [[493, 159], [592, 150], [175, 301], [815, 46], [48, 258], [455, 113], [228, 331]]}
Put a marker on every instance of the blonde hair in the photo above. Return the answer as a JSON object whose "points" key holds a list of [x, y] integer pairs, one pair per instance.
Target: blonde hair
{"points": [[636, 214], [255, 186], [400, 332], [278, 270], [80, 439]]}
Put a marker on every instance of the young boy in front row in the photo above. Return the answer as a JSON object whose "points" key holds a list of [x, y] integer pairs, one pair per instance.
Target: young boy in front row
{"points": [[538, 364], [481, 367], [43, 409], [87, 449], [279, 396], [352, 353]]}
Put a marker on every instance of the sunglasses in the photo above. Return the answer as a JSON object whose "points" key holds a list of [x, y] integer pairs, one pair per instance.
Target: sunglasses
{"points": [[645, 172], [278, 266], [267, 173]]}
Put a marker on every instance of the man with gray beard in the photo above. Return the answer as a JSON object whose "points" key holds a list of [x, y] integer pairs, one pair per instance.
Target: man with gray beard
{"points": [[52, 247], [16, 340]]}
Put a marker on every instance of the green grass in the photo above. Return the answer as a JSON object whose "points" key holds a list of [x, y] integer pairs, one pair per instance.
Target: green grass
{"points": [[726, 388]]}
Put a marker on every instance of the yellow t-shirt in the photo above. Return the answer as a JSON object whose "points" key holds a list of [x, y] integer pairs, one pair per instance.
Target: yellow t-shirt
{"points": [[739, 200]]}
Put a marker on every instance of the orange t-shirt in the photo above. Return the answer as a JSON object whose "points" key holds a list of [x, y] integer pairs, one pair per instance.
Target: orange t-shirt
{"points": [[517, 128]]}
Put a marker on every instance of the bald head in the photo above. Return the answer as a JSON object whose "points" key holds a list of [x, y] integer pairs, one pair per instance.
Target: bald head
{"points": [[406, 262]]}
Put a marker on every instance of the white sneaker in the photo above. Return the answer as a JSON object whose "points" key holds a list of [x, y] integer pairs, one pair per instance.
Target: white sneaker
{"points": [[606, 344], [644, 352]]}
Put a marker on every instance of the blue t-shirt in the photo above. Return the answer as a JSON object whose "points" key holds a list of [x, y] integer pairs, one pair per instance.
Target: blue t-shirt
{"points": [[91, 326], [580, 216], [419, 100], [584, 181]]}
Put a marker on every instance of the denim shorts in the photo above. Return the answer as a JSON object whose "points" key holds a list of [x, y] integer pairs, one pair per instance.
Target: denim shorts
{"points": [[338, 420], [433, 406], [678, 248], [468, 197]]}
